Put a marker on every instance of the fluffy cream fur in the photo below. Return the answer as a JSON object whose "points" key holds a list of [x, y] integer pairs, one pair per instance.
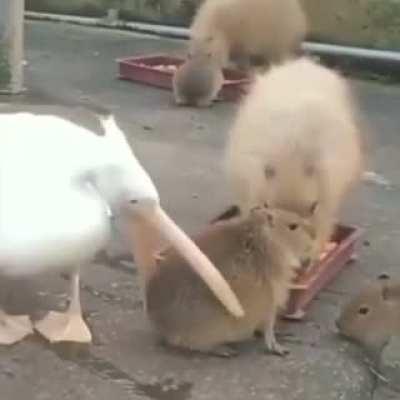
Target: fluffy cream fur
{"points": [[295, 144], [271, 28]]}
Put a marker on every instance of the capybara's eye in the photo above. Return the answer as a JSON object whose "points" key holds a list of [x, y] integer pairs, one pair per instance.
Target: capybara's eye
{"points": [[269, 172], [293, 227], [309, 170], [363, 310], [383, 277]]}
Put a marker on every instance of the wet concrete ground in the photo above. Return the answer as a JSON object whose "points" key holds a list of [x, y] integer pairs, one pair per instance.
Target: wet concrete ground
{"points": [[181, 148]]}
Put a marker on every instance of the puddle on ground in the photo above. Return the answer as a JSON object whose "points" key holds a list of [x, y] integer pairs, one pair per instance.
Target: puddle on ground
{"points": [[166, 389]]}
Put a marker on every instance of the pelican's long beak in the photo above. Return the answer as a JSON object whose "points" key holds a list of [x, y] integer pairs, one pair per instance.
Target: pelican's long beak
{"points": [[150, 225], [149, 230]]}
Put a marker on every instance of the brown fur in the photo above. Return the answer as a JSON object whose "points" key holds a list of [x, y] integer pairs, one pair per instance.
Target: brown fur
{"points": [[295, 145], [270, 30], [373, 316], [197, 81], [257, 255]]}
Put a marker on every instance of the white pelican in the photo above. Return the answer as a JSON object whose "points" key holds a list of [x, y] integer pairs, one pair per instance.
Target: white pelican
{"points": [[58, 184]]}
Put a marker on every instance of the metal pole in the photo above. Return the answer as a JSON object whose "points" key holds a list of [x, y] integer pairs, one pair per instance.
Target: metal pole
{"points": [[12, 45]]}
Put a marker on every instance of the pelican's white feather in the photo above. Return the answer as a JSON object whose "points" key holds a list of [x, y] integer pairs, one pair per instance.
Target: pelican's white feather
{"points": [[57, 183]]}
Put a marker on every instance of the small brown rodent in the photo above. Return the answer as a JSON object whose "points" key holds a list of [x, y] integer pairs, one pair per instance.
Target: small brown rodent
{"points": [[198, 80], [268, 30], [257, 255], [373, 316], [295, 144]]}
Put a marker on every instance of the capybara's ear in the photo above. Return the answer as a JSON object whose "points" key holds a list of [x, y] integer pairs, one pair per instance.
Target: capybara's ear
{"points": [[264, 215], [309, 170], [259, 213], [255, 211], [385, 279], [385, 292], [313, 207], [270, 219], [269, 171]]}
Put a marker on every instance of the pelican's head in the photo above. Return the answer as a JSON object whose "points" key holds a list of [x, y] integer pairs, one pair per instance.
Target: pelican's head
{"points": [[119, 177], [125, 187]]}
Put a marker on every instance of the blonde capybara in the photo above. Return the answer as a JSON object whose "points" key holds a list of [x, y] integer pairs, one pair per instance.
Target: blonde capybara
{"points": [[271, 30], [295, 144], [198, 80]]}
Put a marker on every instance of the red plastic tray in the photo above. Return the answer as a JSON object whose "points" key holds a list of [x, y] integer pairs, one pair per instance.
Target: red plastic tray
{"points": [[311, 283], [141, 69]]}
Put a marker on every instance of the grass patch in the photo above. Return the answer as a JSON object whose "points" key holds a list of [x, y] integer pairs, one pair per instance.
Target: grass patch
{"points": [[5, 74]]}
